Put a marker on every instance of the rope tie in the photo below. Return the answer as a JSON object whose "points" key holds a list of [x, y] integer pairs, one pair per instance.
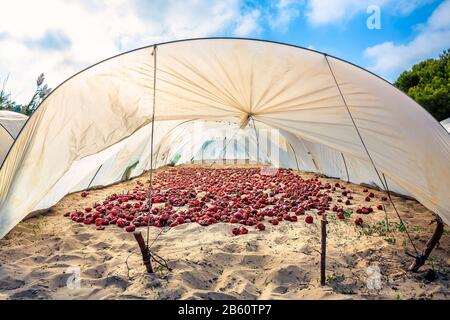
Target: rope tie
{"points": [[158, 259], [345, 164], [384, 184], [93, 178], [223, 152], [150, 190]]}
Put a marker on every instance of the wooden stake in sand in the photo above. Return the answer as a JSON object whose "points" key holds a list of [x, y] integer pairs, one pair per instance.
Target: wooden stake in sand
{"points": [[323, 223], [434, 240], [146, 256]]}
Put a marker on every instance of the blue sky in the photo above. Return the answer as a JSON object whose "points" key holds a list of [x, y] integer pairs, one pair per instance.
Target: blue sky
{"points": [[349, 37], [60, 37]]}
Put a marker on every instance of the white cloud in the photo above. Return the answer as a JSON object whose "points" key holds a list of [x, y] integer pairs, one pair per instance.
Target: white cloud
{"points": [[389, 58], [322, 12], [90, 30], [285, 12], [248, 24], [405, 7]]}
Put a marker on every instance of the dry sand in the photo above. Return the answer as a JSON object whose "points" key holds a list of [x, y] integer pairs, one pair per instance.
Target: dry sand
{"points": [[38, 257]]}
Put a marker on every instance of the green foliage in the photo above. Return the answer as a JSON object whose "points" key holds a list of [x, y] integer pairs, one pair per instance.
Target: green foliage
{"points": [[348, 214], [5, 98], [428, 84], [401, 227], [417, 228], [336, 282], [391, 240], [42, 90], [381, 228]]}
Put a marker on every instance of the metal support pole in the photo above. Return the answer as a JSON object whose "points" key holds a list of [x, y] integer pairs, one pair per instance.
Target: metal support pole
{"points": [[323, 223], [146, 256]]}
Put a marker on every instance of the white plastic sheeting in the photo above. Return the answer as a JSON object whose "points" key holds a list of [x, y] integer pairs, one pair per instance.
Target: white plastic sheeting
{"points": [[285, 87], [218, 141], [10, 125], [446, 124], [106, 167]]}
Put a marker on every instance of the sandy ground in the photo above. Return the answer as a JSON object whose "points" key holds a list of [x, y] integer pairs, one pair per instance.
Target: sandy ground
{"points": [[43, 254]]}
